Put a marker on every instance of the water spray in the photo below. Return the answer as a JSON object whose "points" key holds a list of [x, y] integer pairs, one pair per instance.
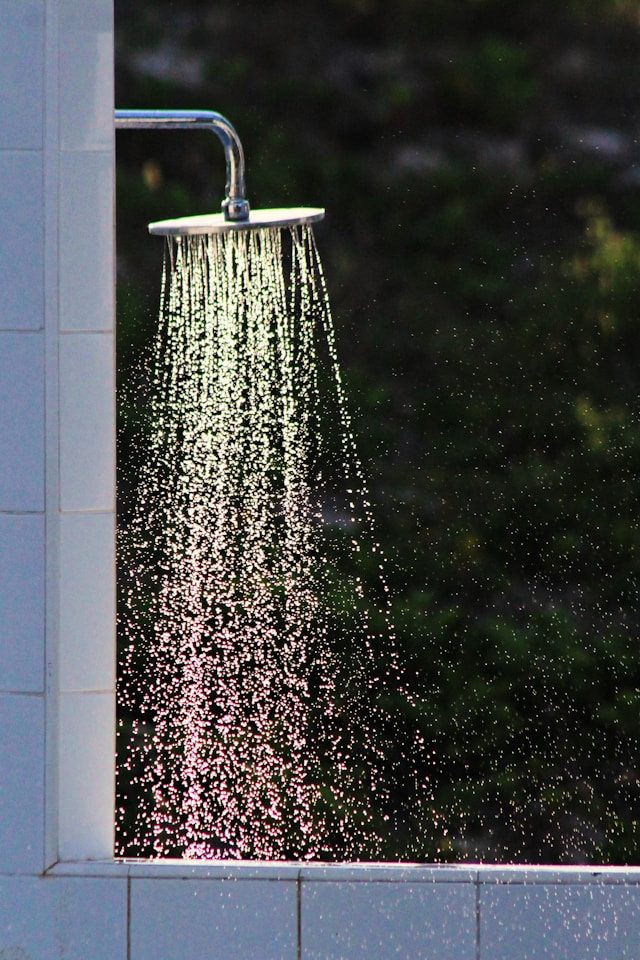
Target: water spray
{"points": [[255, 671]]}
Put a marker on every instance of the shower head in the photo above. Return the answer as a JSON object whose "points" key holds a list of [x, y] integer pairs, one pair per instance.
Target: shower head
{"points": [[235, 206], [217, 223], [236, 213]]}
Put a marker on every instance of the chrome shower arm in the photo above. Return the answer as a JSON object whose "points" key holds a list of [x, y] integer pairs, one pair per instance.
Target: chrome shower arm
{"points": [[235, 205]]}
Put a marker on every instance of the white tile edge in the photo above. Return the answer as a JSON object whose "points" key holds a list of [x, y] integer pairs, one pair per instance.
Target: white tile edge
{"points": [[552, 874], [388, 873], [352, 873], [176, 870]]}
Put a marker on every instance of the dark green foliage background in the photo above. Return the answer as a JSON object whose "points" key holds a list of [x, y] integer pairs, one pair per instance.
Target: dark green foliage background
{"points": [[483, 261]]}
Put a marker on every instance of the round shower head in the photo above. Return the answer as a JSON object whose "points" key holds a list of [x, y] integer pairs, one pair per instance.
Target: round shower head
{"points": [[216, 222]]}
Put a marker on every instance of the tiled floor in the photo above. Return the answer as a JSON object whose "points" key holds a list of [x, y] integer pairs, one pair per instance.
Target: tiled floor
{"points": [[216, 919], [189, 911], [562, 921], [63, 919], [352, 920]]}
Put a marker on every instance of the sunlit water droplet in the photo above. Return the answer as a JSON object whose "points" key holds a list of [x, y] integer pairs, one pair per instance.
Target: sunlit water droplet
{"points": [[255, 674]]}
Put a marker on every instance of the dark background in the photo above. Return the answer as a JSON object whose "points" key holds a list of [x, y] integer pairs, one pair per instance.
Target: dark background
{"points": [[478, 161]]}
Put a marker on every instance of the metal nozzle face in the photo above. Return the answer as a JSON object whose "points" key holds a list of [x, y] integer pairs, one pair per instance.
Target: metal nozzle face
{"points": [[217, 223]]}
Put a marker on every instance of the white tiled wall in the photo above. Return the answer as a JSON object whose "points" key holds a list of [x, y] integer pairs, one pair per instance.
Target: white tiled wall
{"points": [[22, 235], [572, 921], [86, 254], [189, 911], [57, 444], [244, 918], [86, 64], [22, 602], [87, 422], [87, 775], [22, 438], [21, 783], [67, 918], [21, 422], [87, 601], [348, 921], [21, 90]]}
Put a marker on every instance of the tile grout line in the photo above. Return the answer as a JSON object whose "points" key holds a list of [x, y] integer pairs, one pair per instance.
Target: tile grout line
{"points": [[128, 918], [299, 914], [41, 694], [51, 396], [477, 885]]}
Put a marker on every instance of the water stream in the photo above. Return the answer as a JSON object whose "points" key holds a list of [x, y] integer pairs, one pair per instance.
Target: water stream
{"points": [[257, 678]]}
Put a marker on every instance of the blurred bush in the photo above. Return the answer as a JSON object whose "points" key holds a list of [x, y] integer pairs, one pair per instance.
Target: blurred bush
{"points": [[482, 247]]}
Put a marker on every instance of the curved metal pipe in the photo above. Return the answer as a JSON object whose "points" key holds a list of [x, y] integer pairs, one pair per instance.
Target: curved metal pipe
{"points": [[235, 206]]}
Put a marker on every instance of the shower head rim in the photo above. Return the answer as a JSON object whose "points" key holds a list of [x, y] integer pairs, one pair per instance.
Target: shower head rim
{"points": [[216, 222]]}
